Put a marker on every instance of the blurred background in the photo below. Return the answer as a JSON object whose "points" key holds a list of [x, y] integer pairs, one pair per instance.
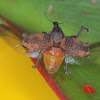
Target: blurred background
{"points": [[29, 16]]}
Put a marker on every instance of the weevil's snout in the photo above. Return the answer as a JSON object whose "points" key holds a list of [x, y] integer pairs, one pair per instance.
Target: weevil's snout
{"points": [[57, 33], [55, 24]]}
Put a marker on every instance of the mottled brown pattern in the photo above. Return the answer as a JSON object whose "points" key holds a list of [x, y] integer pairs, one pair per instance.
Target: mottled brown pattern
{"points": [[42, 42], [76, 40], [74, 47], [55, 52], [52, 63]]}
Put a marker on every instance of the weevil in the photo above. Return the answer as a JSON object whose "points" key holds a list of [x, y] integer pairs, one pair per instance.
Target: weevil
{"points": [[55, 47]]}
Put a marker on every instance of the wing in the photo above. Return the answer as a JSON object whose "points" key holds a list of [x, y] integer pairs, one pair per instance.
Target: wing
{"points": [[38, 42], [74, 47]]}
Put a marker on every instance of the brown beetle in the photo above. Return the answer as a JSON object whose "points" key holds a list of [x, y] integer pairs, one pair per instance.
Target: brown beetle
{"points": [[55, 47]]}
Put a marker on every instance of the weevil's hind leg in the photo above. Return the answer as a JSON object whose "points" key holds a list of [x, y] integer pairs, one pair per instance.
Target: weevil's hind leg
{"points": [[39, 57], [65, 69], [81, 30], [0, 21]]}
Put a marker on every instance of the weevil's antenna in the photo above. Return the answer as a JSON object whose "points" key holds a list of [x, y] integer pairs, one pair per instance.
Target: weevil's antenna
{"points": [[65, 21], [47, 17], [58, 23]]}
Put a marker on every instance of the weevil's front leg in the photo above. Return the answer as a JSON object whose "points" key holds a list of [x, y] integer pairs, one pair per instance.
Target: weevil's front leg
{"points": [[24, 35], [81, 30], [65, 69], [39, 57]]}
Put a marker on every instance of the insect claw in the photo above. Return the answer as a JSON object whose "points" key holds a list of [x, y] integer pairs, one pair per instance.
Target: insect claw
{"points": [[65, 69], [0, 21], [43, 32], [67, 72], [23, 52], [34, 66]]}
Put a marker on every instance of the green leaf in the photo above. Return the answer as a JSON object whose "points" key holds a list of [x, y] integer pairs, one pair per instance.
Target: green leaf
{"points": [[29, 15]]}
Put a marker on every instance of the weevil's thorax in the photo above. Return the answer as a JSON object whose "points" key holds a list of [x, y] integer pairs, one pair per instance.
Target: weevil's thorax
{"points": [[57, 33]]}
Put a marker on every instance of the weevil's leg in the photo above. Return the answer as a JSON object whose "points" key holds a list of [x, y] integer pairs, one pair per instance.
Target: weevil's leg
{"points": [[24, 35], [65, 68], [87, 43], [81, 30], [17, 45], [39, 57], [23, 52]]}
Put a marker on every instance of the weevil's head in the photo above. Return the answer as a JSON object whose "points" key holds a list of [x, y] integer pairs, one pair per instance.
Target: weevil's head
{"points": [[55, 24], [57, 33]]}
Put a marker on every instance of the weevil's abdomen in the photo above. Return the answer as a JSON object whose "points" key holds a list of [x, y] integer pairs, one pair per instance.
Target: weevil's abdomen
{"points": [[53, 59]]}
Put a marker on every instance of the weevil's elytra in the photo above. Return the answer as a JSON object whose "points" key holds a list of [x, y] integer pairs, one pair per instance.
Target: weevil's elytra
{"points": [[74, 47], [38, 42], [54, 46]]}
